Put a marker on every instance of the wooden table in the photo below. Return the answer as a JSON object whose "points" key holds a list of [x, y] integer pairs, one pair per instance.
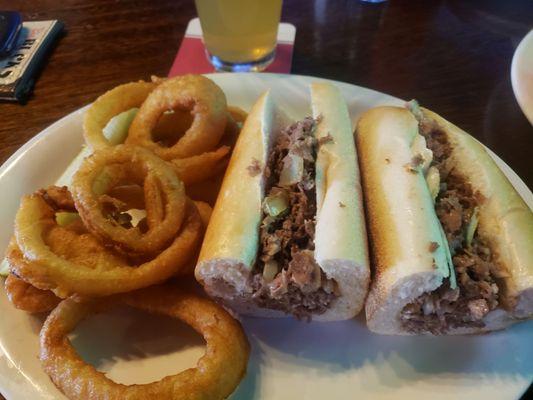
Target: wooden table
{"points": [[453, 57]]}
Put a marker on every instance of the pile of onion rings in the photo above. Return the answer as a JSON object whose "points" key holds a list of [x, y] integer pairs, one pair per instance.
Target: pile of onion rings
{"points": [[100, 271], [133, 217], [183, 120]]}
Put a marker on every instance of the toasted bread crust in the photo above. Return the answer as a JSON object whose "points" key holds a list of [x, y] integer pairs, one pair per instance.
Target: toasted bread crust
{"points": [[233, 230], [399, 211], [371, 163]]}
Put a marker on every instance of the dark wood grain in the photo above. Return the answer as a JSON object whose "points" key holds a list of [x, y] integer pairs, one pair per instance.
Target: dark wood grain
{"points": [[453, 56]]}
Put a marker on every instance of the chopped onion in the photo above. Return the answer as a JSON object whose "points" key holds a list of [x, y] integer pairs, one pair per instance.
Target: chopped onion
{"points": [[414, 107], [4, 268], [276, 203], [64, 218], [270, 270], [433, 181], [449, 261], [116, 130], [419, 148], [471, 229], [293, 170]]}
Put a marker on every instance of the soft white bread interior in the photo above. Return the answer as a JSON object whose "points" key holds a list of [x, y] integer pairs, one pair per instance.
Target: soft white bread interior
{"points": [[340, 235], [231, 242], [403, 222]]}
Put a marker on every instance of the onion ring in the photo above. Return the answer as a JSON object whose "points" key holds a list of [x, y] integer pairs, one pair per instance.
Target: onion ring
{"points": [[197, 93], [205, 211], [119, 99], [161, 185], [199, 168], [156, 212], [216, 375], [206, 191], [28, 298], [237, 114], [83, 265]]}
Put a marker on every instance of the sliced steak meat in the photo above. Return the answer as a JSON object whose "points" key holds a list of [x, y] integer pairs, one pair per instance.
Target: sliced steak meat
{"points": [[298, 286], [304, 271], [476, 271], [301, 290]]}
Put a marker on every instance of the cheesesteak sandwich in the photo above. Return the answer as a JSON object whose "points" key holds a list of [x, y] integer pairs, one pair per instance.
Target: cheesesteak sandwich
{"points": [[452, 240], [287, 234]]}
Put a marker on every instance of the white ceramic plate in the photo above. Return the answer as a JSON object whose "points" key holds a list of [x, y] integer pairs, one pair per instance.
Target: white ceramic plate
{"points": [[290, 359], [522, 75]]}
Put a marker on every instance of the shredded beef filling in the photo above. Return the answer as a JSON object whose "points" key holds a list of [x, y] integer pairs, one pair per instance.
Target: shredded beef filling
{"points": [[476, 272], [286, 276]]}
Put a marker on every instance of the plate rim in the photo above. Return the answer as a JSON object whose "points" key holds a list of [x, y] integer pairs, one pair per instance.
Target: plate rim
{"points": [[518, 55]]}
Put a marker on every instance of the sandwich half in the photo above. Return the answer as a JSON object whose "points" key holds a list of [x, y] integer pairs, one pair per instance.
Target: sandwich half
{"points": [[451, 239], [287, 234]]}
